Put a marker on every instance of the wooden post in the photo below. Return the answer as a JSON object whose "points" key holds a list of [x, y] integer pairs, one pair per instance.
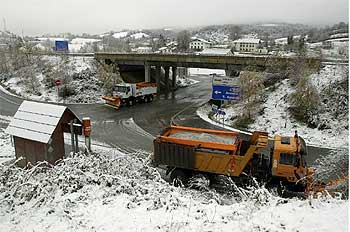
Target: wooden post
{"points": [[76, 140], [72, 135]]}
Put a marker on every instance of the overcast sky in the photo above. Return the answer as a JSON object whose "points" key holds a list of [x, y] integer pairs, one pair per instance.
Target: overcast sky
{"points": [[36, 17]]}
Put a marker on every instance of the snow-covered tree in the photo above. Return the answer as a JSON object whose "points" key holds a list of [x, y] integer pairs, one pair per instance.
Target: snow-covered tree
{"points": [[304, 100], [252, 85], [109, 75], [183, 40]]}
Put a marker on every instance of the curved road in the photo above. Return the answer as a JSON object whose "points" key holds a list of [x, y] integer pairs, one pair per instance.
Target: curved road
{"points": [[132, 128]]}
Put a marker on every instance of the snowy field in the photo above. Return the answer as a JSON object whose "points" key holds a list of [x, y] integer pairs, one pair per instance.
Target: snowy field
{"points": [[277, 120], [113, 191]]}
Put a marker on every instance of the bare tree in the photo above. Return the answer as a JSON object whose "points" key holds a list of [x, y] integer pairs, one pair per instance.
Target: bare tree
{"points": [[304, 99], [183, 40], [234, 32], [109, 75], [252, 86]]}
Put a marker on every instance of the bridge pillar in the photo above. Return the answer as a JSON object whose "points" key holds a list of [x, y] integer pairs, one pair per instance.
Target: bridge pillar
{"points": [[158, 71], [173, 79], [166, 81], [147, 73]]}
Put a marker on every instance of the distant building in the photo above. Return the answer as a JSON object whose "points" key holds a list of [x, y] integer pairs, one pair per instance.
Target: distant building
{"points": [[142, 49], [246, 45], [199, 44], [249, 45], [217, 51]]}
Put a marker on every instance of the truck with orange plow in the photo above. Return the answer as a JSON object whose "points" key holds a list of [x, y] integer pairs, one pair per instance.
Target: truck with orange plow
{"points": [[187, 151], [131, 93]]}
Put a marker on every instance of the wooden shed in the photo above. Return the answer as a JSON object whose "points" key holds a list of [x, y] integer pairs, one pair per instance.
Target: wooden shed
{"points": [[37, 130]]}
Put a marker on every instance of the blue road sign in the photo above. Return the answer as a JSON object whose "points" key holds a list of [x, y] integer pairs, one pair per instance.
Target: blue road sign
{"points": [[228, 93], [221, 112], [61, 45]]}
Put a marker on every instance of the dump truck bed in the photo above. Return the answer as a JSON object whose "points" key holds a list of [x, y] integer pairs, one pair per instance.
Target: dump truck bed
{"points": [[196, 149], [201, 138], [205, 150]]}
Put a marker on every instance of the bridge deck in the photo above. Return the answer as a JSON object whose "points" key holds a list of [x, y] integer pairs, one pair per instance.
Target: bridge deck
{"points": [[204, 61]]}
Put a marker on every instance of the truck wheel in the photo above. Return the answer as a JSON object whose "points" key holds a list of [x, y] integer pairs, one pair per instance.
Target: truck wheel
{"points": [[178, 177], [131, 102], [150, 98], [146, 99]]}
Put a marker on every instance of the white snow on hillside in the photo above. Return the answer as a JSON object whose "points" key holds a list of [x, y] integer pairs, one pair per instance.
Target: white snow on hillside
{"points": [[119, 35], [77, 65], [113, 191], [277, 120], [78, 43], [139, 35]]}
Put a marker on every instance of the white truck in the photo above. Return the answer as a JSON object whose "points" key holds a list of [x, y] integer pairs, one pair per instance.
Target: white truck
{"points": [[129, 94]]}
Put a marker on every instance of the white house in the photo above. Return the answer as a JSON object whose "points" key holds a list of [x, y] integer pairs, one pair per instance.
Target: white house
{"points": [[199, 44], [246, 45], [251, 45]]}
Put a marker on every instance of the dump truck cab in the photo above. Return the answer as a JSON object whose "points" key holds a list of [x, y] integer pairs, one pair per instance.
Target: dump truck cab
{"points": [[288, 159], [130, 93], [124, 90]]}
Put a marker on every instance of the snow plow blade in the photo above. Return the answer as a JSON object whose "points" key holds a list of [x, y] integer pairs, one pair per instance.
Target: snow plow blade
{"points": [[112, 101]]}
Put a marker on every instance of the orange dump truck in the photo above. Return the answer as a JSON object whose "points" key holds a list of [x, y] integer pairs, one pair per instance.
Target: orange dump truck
{"points": [[130, 93], [189, 151]]}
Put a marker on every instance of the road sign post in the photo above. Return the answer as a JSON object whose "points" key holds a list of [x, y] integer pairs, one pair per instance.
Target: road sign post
{"points": [[57, 83]]}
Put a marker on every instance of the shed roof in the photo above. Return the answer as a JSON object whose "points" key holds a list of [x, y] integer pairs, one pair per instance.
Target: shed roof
{"points": [[35, 121]]}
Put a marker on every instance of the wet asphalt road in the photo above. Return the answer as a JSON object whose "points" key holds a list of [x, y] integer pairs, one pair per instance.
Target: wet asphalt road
{"points": [[133, 128]]}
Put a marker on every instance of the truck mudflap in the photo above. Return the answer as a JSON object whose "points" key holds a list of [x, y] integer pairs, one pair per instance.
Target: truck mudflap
{"points": [[112, 101], [174, 155]]}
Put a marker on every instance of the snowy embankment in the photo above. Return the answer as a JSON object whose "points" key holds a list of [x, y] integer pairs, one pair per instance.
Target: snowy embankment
{"points": [[110, 190], [84, 82], [276, 118]]}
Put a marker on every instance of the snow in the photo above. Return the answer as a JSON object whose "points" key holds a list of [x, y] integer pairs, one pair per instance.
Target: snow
{"points": [[121, 34], [247, 40], [206, 137], [205, 71], [80, 67], [50, 38], [114, 191], [277, 120], [78, 43], [215, 51], [185, 82], [139, 35], [7, 152]]}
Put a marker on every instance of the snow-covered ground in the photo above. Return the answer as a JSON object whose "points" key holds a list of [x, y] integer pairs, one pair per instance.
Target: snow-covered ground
{"points": [[205, 71], [121, 34], [80, 67], [277, 120], [77, 44], [185, 82], [113, 191], [139, 35]]}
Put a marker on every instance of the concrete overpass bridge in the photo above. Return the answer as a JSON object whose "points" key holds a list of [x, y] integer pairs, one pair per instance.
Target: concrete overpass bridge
{"points": [[231, 64]]}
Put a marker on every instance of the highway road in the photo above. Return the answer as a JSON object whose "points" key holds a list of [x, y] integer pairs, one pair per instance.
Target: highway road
{"points": [[133, 128]]}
